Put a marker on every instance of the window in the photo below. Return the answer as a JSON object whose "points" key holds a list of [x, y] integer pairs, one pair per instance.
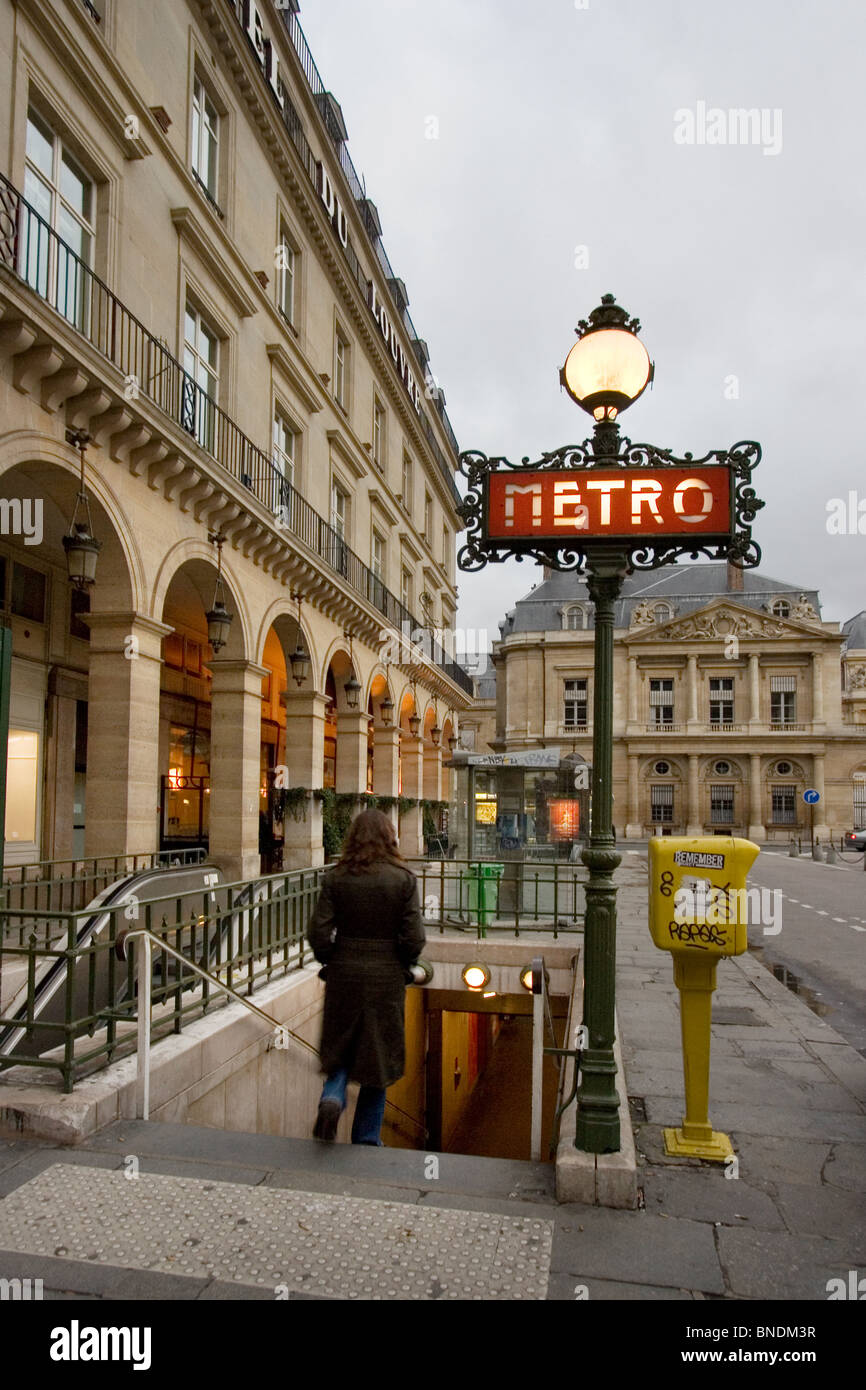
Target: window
{"points": [[407, 481], [722, 769], [285, 456], [662, 612], [662, 702], [28, 593], [781, 608], [859, 801], [79, 604], [22, 785], [377, 556], [341, 369], [201, 384], [575, 704], [406, 589], [446, 545], [428, 518], [784, 769], [287, 267], [721, 700], [783, 700], [205, 139], [575, 618], [379, 434], [662, 804], [467, 738], [62, 194], [339, 510], [721, 805], [339, 557], [784, 800]]}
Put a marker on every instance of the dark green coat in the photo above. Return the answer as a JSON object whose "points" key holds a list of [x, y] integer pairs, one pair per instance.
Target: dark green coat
{"points": [[367, 929]]}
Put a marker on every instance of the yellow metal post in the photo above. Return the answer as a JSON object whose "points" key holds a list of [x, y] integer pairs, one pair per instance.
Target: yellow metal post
{"points": [[698, 912]]}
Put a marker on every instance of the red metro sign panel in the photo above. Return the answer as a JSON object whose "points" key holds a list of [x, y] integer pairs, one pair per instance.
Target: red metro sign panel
{"points": [[590, 504]]}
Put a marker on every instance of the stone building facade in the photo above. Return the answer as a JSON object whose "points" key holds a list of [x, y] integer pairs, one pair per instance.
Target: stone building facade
{"points": [[731, 697], [192, 275]]}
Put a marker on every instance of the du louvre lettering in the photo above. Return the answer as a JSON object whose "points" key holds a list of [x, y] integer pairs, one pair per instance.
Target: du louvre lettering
{"points": [[609, 503], [247, 15], [389, 333]]}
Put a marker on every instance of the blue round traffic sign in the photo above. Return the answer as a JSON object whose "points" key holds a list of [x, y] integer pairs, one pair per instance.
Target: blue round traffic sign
{"points": [[811, 797]]}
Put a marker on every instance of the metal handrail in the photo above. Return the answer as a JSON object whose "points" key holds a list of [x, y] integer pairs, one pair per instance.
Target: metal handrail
{"points": [[31, 249], [144, 976]]}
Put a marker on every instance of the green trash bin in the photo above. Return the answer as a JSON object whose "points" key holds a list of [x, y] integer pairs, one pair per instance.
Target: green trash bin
{"points": [[482, 892]]}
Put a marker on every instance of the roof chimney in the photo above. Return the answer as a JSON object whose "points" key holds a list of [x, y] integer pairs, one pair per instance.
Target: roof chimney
{"points": [[735, 579]]}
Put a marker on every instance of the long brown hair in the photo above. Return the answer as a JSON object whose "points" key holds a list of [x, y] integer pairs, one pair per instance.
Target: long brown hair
{"points": [[371, 839]]}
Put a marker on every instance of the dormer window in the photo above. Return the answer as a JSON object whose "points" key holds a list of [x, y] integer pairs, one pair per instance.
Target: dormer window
{"points": [[662, 612], [780, 608], [574, 619]]}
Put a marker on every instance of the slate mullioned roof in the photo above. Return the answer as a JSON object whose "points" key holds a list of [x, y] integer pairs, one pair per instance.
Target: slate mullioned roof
{"points": [[855, 632], [687, 587]]}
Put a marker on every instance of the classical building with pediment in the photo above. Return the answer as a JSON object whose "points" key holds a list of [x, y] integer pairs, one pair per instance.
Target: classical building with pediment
{"points": [[732, 696]]}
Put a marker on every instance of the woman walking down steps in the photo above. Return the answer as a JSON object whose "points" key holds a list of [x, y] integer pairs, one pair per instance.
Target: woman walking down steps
{"points": [[367, 933]]}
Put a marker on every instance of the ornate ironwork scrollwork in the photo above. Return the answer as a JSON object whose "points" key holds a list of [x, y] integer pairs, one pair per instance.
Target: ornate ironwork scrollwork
{"points": [[742, 458]]}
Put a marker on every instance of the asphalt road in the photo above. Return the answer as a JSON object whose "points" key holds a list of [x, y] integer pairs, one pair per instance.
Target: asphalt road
{"points": [[823, 934]]}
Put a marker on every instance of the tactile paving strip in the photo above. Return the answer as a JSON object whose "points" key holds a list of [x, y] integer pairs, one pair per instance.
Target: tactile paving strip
{"points": [[334, 1247]]}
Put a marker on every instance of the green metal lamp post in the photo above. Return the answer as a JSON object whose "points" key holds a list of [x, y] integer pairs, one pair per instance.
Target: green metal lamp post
{"points": [[607, 508], [605, 372]]}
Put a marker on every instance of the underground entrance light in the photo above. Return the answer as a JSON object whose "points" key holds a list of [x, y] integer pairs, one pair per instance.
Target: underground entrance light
{"points": [[526, 977], [475, 976]]}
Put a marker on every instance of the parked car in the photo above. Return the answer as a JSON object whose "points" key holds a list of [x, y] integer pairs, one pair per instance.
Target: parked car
{"points": [[854, 839]]}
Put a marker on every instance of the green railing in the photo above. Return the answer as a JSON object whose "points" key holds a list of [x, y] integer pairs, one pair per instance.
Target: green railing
{"points": [[68, 885], [67, 998], [528, 897]]}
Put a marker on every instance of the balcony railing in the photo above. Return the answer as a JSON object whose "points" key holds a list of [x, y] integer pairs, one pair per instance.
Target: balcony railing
{"points": [[783, 726], [665, 728], [32, 250], [722, 727]]}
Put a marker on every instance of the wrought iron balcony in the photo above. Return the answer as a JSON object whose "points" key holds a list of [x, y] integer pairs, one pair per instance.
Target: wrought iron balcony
{"points": [[36, 255]]}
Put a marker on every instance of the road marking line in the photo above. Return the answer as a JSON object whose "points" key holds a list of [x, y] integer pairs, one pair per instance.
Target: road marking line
{"points": [[808, 907], [821, 913], [853, 928], [843, 920]]}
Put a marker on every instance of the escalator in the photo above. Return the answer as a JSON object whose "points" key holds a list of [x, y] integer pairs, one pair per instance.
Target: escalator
{"points": [[103, 985]]}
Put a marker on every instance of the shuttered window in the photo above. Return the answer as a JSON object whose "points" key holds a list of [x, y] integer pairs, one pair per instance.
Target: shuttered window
{"points": [[661, 804], [721, 804]]}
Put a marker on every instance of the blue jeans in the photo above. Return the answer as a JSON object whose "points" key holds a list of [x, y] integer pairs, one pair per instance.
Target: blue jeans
{"points": [[369, 1112]]}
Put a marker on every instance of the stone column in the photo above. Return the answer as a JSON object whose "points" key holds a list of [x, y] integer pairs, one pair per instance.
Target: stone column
{"points": [[235, 768], [817, 688], [411, 822], [633, 683], [432, 772], [386, 765], [123, 734], [305, 755], [634, 826], [692, 689], [694, 819], [756, 829], [754, 690], [352, 732]]}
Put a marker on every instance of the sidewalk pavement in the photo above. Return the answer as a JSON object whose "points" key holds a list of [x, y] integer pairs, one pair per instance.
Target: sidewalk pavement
{"points": [[224, 1215]]}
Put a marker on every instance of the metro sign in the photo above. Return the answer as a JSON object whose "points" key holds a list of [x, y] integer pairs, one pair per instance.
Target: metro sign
{"points": [[603, 503], [636, 500]]}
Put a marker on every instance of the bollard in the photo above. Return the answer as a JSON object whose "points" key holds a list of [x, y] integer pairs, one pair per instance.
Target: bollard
{"points": [[697, 911], [830, 856], [816, 853], [792, 852]]}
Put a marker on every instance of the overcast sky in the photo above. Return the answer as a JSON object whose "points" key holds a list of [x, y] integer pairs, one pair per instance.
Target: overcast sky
{"points": [[556, 144]]}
